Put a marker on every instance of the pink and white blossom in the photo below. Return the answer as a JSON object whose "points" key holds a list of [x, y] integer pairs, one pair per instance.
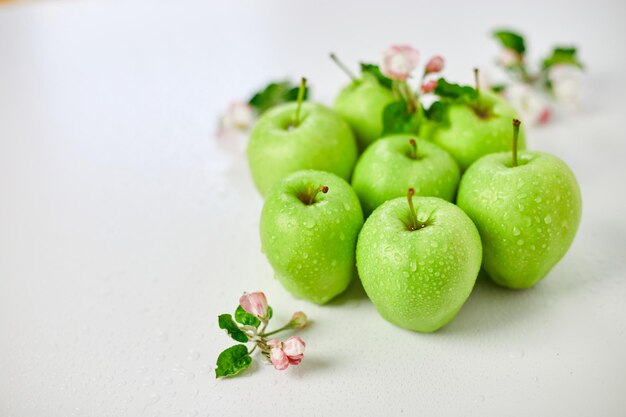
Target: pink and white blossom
{"points": [[435, 64], [294, 348], [531, 105], [566, 81], [399, 61], [279, 359], [254, 303], [509, 57], [429, 86], [235, 125]]}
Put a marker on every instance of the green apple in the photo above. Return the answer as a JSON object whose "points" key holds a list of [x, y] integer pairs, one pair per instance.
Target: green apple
{"points": [[471, 132], [418, 264], [396, 163], [309, 227], [527, 209], [361, 104], [296, 136]]}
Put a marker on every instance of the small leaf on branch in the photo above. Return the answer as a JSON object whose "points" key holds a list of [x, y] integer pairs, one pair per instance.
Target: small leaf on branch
{"points": [[398, 119], [226, 322], [455, 92], [562, 55], [511, 40], [232, 361], [245, 318], [275, 93], [375, 71]]}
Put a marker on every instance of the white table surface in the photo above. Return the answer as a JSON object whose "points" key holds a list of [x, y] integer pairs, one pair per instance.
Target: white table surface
{"points": [[125, 229]]}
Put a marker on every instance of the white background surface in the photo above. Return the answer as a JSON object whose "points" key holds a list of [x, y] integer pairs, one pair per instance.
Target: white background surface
{"points": [[125, 229]]}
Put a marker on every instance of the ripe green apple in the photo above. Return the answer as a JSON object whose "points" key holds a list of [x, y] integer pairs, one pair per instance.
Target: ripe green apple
{"points": [[321, 140], [527, 213], [393, 164], [361, 104], [470, 133], [309, 227], [418, 266]]}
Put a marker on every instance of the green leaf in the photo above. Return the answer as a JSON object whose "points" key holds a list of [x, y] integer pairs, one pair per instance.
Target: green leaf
{"points": [[270, 312], [375, 71], [438, 112], [243, 317], [455, 92], [562, 55], [511, 40], [275, 93], [398, 119], [498, 88], [226, 322], [232, 361]]}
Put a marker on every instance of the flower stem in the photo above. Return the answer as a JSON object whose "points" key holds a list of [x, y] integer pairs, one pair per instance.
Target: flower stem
{"points": [[342, 66], [516, 124], [252, 350], [301, 90], [285, 327]]}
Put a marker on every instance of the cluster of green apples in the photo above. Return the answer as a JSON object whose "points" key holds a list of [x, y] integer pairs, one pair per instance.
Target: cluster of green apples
{"points": [[346, 196]]}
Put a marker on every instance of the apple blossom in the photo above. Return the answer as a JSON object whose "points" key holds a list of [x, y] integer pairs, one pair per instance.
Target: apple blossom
{"points": [[435, 64], [294, 348], [239, 117], [254, 303], [399, 61], [249, 325], [509, 57], [530, 103], [429, 86], [566, 81], [279, 359]]}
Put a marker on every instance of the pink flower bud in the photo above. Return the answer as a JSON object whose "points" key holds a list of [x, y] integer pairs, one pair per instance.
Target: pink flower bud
{"points": [[399, 61], [429, 86], [279, 359], [298, 320], [254, 303], [435, 64]]}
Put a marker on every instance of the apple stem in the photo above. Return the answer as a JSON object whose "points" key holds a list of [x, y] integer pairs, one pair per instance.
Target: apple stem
{"points": [[413, 216], [301, 90], [413, 152], [342, 66], [516, 124], [477, 80], [322, 189]]}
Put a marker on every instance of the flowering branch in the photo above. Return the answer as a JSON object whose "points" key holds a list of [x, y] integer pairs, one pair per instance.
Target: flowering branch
{"points": [[251, 320], [559, 77]]}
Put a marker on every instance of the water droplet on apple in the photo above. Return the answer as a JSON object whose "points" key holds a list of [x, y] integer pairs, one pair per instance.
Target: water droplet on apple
{"points": [[516, 231], [413, 265], [547, 219], [538, 200], [309, 223], [520, 242], [346, 206]]}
